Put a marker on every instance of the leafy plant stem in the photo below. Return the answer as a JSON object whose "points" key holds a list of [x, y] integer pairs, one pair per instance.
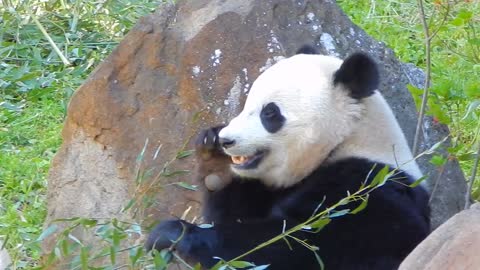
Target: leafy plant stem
{"points": [[472, 179], [358, 195]]}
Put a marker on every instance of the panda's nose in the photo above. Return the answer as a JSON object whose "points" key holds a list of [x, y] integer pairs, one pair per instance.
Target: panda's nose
{"points": [[226, 142]]}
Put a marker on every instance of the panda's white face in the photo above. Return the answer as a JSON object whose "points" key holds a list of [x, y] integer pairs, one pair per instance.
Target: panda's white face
{"points": [[294, 116]]}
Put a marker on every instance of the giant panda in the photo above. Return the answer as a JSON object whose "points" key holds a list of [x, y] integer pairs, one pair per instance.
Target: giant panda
{"points": [[313, 129]]}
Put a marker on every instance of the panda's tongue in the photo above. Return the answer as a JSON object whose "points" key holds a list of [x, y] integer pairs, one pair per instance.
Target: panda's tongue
{"points": [[239, 159]]}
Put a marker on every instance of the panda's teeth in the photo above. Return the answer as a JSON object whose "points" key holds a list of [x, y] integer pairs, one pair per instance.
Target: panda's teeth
{"points": [[239, 159]]}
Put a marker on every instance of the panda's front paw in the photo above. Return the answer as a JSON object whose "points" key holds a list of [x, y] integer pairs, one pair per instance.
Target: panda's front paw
{"points": [[167, 234], [213, 165], [207, 142]]}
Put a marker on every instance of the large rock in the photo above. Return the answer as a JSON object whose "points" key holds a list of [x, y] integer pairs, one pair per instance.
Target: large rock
{"points": [[452, 246], [188, 66]]}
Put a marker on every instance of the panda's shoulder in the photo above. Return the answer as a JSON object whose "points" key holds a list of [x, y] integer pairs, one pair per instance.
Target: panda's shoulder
{"points": [[350, 174]]}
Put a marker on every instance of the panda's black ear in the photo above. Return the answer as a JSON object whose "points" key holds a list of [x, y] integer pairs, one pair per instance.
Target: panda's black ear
{"points": [[307, 49], [359, 74]]}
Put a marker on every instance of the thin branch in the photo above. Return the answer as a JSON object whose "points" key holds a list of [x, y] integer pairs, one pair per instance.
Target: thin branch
{"points": [[50, 40], [437, 182], [444, 19], [472, 179], [427, 77]]}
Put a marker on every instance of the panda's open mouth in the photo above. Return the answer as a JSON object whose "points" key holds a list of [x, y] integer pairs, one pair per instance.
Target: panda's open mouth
{"points": [[248, 162]]}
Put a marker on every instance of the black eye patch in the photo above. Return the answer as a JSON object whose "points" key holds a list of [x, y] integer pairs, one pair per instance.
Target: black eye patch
{"points": [[271, 117]]}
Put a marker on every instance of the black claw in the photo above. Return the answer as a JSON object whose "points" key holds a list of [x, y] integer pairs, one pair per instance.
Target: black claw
{"points": [[208, 139]]}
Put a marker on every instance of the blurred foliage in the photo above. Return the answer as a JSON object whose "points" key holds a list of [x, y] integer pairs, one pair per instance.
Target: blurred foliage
{"points": [[455, 87], [35, 87]]}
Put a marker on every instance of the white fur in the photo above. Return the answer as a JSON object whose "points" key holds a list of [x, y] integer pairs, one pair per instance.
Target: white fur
{"points": [[379, 137], [319, 119]]}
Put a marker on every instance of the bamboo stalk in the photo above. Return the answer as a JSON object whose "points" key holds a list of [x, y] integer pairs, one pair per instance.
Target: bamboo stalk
{"points": [[50, 40]]}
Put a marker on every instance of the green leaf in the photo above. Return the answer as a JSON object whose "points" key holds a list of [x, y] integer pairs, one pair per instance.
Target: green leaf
{"points": [[319, 260], [129, 205], [381, 177], [184, 154], [241, 264], [75, 239], [167, 255], [11, 107], [472, 90], [465, 14], [438, 111], [84, 258], [113, 253], [67, 219], [319, 224], [418, 181], [142, 153], [159, 261], [361, 206], [260, 267], [47, 232], [472, 106], [434, 147], [457, 22], [416, 94], [64, 245], [88, 222], [187, 186], [135, 254], [466, 156], [474, 41], [339, 213], [174, 173], [438, 160]]}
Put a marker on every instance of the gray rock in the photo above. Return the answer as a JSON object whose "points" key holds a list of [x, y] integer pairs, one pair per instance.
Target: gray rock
{"points": [[188, 66], [454, 245], [5, 260]]}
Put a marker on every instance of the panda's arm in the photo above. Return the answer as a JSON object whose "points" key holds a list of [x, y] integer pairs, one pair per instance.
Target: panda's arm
{"points": [[231, 239], [378, 237], [240, 200]]}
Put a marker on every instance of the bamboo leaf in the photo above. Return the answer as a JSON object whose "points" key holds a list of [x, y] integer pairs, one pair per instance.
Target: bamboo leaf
{"points": [[175, 173], [361, 206], [339, 213], [241, 264], [260, 267], [418, 181], [184, 154], [47, 232], [320, 223], [319, 260], [380, 177], [187, 186], [84, 258]]}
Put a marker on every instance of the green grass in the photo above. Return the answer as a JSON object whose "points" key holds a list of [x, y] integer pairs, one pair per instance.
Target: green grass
{"points": [[35, 85], [27, 143]]}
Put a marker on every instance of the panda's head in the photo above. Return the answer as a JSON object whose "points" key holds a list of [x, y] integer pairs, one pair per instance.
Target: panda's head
{"points": [[295, 115]]}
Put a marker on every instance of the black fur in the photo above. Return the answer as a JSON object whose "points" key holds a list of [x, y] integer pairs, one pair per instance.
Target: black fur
{"points": [[271, 117], [247, 213], [307, 49], [359, 74]]}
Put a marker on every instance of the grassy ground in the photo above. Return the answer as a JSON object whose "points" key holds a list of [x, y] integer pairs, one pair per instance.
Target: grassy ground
{"points": [[35, 84]]}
